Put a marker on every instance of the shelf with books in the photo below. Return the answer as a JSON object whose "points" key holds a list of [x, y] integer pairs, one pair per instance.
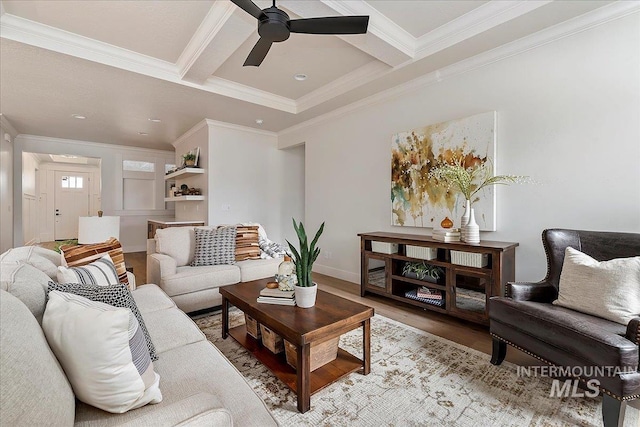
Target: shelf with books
{"points": [[464, 289]]}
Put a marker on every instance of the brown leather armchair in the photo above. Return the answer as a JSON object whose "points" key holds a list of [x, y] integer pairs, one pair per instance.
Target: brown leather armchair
{"points": [[526, 319]]}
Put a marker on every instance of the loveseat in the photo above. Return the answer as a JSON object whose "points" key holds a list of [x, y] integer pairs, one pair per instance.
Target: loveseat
{"points": [[169, 256], [199, 385]]}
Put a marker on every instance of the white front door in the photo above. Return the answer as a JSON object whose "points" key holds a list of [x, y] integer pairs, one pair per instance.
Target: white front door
{"points": [[71, 201]]}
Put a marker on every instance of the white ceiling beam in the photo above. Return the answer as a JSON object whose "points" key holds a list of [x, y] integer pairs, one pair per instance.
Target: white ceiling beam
{"points": [[384, 40], [50, 38], [221, 33]]}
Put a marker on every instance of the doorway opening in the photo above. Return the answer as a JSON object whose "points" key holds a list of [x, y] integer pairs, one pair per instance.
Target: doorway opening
{"points": [[57, 190]]}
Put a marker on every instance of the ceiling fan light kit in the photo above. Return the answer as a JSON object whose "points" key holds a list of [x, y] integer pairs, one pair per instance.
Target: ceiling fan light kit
{"points": [[274, 26]]}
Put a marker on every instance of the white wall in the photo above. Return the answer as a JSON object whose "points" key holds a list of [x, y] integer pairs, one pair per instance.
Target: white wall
{"points": [[568, 116], [6, 184], [133, 223], [246, 178]]}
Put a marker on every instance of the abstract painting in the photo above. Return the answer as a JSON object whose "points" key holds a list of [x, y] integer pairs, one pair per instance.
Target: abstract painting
{"points": [[420, 200]]}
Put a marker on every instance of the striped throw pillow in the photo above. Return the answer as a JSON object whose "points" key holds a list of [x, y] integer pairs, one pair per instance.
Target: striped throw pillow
{"points": [[76, 256], [101, 272], [115, 295], [247, 246]]}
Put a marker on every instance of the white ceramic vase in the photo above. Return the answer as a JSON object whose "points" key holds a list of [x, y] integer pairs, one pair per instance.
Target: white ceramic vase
{"points": [[465, 219], [472, 230], [306, 296]]}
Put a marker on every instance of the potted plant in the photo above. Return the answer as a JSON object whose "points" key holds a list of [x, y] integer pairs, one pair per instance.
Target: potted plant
{"points": [[189, 159], [422, 271], [303, 258]]}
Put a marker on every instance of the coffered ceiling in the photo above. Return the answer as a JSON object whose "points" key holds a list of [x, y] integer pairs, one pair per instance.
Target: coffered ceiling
{"points": [[121, 63]]}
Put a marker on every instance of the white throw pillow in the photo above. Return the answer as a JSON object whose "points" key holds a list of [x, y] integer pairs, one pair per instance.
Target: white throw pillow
{"points": [[101, 272], [607, 289], [102, 351]]}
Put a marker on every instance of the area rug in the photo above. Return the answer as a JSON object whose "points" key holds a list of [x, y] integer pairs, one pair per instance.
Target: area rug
{"points": [[416, 379]]}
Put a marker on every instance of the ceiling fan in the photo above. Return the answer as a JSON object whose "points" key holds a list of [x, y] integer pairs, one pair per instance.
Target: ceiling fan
{"points": [[275, 26]]}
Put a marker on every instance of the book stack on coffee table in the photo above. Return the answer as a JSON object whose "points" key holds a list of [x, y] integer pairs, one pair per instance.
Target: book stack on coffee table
{"points": [[276, 296]]}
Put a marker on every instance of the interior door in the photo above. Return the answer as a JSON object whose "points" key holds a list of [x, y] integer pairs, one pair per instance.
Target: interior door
{"points": [[71, 201]]}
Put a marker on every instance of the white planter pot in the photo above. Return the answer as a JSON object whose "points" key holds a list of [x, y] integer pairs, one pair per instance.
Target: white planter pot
{"points": [[306, 296]]}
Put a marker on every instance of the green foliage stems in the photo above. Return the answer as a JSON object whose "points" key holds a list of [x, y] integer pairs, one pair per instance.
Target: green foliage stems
{"points": [[306, 256], [189, 156]]}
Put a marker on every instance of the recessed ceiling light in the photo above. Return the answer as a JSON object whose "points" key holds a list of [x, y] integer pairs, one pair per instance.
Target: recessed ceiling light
{"points": [[154, 120], [143, 133], [259, 121], [78, 116], [300, 77]]}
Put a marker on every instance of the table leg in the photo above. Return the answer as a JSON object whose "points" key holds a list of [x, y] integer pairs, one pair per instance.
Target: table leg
{"points": [[225, 318], [366, 347], [303, 373]]}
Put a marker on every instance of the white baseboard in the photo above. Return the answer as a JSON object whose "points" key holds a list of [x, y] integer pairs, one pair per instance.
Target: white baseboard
{"points": [[335, 272]]}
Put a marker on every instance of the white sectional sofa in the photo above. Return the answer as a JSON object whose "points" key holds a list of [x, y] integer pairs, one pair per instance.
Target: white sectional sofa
{"points": [[196, 288], [198, 384]]}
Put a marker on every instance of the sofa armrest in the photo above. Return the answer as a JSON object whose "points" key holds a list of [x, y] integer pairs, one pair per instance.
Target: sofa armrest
{"points": [[159, 266], [633, 331], [537, 292], [202, 409], [132, 281]]}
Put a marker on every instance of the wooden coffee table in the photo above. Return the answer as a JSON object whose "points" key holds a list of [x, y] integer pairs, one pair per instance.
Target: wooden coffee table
{"points": [[331, 317]]}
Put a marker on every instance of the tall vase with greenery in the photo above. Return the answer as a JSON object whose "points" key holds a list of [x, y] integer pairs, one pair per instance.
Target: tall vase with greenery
{"points": [[303, 258], [469, 180]]}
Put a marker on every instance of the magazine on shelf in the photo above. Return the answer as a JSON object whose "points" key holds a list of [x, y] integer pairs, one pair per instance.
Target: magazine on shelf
{"points": [[277, 301], [276, 293]]}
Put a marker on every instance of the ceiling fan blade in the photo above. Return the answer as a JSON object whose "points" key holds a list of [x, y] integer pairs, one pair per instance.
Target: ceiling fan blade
{"points": [[258, 53], [330, 25], [249, 7]]}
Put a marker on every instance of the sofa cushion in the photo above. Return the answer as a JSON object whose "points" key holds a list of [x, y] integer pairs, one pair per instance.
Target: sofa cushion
{"points": [[607, 289], [43, 259], [258, 268], [102, 351], [101, 272], [150, 298], [569, 330], [214, 246], [177, 242], [171, 328], [76, 256], [116, 295], [28, 284], [30, 374], [192, 279]]}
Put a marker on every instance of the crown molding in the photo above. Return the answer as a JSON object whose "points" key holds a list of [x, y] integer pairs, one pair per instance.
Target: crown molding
{"points": [[250, 94], [210, 26], [379, 25], [7, 126], [352, 80], [46, 37], [476, 21], [570, 27], [241, 128], [47, 139], [200, 125]]}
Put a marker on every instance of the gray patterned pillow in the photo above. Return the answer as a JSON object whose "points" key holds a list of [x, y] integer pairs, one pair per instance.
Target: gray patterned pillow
{"points": [[115, 295], [215, 247]]}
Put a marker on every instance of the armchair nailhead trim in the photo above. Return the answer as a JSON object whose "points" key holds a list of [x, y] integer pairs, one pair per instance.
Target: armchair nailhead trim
{"points": [[625, 398]]}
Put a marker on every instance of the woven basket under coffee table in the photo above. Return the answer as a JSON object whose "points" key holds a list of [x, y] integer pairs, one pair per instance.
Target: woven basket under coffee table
{"points": [[305, 329]]}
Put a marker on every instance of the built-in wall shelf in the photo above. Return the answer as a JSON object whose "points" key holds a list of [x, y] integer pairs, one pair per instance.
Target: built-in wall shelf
{"points": [[183, 198], [186, 172]]}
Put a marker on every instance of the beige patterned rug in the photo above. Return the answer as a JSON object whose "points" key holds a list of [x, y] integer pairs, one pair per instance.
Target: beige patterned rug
{"points": [[416, 379]]}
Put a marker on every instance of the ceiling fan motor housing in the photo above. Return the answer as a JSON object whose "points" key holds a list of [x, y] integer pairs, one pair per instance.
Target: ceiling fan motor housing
{"points": [[274, 25]]}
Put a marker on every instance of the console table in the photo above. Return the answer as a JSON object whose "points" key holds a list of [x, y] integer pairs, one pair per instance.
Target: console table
{"points": [[465, 289]]}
